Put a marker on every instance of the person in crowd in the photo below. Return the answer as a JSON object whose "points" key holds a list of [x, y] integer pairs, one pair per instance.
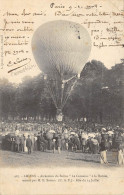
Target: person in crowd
{"points": [[99, 138], [59, 143], [29, 144], [120, 154], [38, 142], [63, 147], [120, 149], [110, 142], [42, 143], [70, 144], [17, 143], [22, 139], [75, 143], [32, 139], [89, 145], [12, 144], [115, 138], [25, 147], [35, 142], [70, 138], [54, 145], [66, 144], [95, 145], [118, 140], [84, 142], [103, 151]]}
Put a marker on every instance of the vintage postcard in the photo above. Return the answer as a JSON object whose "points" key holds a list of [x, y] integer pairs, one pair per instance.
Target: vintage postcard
{"points": [[61, 97]]}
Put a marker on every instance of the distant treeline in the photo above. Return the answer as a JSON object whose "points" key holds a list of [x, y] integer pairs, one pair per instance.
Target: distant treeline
{"points": [[98, 96]]}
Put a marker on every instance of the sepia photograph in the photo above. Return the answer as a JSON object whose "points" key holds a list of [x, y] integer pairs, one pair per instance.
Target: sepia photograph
{"points": [[61, 97]]}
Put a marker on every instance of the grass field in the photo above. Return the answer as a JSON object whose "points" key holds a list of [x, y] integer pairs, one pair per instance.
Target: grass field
{"points": [[50, 159]]}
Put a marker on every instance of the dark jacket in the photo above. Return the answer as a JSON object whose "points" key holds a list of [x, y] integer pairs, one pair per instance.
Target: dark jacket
{"points": [[103, 146], [59, 142], [28, 142]]}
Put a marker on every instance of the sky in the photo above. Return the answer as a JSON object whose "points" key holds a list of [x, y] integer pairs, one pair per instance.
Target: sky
{"points": [[107, 55]]}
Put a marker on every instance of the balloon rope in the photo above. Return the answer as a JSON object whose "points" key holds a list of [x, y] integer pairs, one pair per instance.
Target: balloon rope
{"points": [[70, 79], [65, 93], [58, 89], [67, 89], [62, 93], [50, 91], [57, 92], [68, 94], [53, 90]]}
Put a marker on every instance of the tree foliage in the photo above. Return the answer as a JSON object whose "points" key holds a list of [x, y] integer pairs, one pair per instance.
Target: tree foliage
{"points": [[98, 95]]}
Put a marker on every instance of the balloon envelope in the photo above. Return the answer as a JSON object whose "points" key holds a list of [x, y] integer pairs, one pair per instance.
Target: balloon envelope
{"points": [[61, 47]]}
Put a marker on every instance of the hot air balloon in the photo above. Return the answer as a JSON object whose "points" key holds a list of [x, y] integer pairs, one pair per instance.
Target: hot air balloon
{"points": [[61, 49]]}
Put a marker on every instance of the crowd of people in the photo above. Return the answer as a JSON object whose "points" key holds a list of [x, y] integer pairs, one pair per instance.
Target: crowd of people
{"points": [[87, 138]]}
